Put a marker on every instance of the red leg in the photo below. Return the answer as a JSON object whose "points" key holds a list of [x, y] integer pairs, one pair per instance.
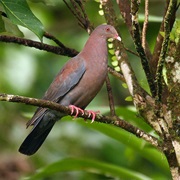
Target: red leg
{"points": [[76, 109], [93, 114]]}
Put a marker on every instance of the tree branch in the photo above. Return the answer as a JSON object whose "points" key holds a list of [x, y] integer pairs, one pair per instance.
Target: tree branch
{"points": [[51, 37], [99, 118], [167, 21], [110, 96], [63, 50], [80, 15], [145, 25], [159, 40], [125, 11], [138, 45], [116, 74]]}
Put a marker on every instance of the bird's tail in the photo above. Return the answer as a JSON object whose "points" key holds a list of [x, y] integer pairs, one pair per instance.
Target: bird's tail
{"points": [[36, 137]]}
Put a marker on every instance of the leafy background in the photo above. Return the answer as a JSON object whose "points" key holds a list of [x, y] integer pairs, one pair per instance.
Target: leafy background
{"points": [[75, 149]]}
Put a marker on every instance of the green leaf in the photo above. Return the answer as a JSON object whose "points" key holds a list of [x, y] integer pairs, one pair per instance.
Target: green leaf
{"points": [[6, 26], [124, 85], [114, 63], [175, 33], [11, 29], [20, 14], [101, 12], [2, 27], [140, 146], [48, 2], [130, 115], [110, 45], [111, 51], [117, 68], [114, 58], [162, 33], [88, 165], [151, 18], [129, 98]]}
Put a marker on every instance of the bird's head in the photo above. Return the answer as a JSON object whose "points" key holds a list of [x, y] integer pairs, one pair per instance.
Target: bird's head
{"points": [[107, 31]]}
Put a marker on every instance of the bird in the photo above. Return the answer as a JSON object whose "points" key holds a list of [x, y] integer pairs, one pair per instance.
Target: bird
{"points": [[76, 85]]}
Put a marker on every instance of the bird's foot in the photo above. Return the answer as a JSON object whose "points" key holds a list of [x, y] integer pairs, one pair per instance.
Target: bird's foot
{"points": [[74, 108], [93, 114], [77, 109]]}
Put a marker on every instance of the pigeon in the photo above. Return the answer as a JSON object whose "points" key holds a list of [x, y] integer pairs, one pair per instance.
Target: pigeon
{"points": [[76, 85]]}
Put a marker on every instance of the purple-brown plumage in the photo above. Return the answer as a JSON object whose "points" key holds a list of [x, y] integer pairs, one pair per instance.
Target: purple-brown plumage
{"points": [[76, 84]]}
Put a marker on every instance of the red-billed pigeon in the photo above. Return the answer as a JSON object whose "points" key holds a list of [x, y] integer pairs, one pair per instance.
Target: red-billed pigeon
{"points": [[75, 85]]}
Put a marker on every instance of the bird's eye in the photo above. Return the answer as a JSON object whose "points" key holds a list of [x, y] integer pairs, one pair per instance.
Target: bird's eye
{"points": [[107, 29]]}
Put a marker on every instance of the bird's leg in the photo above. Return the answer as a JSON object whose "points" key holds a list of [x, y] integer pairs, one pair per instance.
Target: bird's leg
{"points": [[93, 114], [76, 109]]}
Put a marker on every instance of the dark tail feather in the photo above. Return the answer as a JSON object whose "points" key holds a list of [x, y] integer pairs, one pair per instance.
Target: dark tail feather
{"points": [[36, 137]]}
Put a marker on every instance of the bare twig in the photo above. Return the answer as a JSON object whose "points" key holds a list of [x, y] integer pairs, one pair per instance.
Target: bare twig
{"points": [[145, 24], [132, 52], [99, 118], [87, 22], [116, 74], [73, 12], [138, 45], [167, 28], [50, 36], [110, 96], [38, 45], [159, 40], [127, 14], [125, 11], [79, 12]]}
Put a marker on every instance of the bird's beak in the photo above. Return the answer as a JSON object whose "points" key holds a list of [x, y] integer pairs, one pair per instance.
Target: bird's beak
{"points": [[118, 38]]}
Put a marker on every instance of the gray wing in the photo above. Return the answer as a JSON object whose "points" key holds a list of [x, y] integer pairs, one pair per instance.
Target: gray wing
{"points": [[66, 79]]}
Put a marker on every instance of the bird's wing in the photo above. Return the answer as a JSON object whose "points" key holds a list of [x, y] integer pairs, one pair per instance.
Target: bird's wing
{"points": [[65, 80]]}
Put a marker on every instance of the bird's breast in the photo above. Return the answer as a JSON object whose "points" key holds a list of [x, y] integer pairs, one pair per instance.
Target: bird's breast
{"points": [[95, 60], [90, 84]]}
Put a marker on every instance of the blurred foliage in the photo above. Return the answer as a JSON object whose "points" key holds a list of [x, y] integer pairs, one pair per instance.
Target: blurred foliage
{"points": [[27, 71]]}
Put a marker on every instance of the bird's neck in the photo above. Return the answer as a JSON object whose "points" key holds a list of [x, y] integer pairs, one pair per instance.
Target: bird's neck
{"points": [[95, 47]]}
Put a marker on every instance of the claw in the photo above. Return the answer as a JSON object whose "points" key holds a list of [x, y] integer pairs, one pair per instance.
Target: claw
{"points": [[90, 113], [93, 114], [74, 108]]}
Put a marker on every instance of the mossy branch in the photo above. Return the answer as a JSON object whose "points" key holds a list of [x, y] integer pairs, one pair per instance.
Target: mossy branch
{"points": [[99, 118]]}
